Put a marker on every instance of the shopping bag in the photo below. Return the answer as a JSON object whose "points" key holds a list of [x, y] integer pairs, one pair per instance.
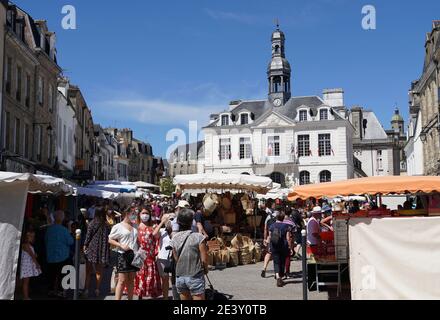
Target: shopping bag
{"points": [[139, 258]]}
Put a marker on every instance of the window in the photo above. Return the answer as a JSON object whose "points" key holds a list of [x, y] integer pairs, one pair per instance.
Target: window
{"points": [[26, 140], [65, 143], [323, 114], [70, 142], [304, 178], [27, 90], [40, 90], [278, 177], [379, 160], [303, 115], [8, 75], [244, 118], [225, 149], [303, 145], [225, 120], [50, 98], [273, 146], [17, 129], [18, 83], [49, 147], [245, 148], [7, 134], [325, 148], [39, 142], [325, 176]]}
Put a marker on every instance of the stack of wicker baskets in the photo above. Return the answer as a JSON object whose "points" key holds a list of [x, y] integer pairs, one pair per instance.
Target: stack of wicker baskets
{"points": [[248, 252]]}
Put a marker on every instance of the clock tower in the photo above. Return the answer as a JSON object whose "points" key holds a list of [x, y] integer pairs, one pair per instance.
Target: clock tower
{"points": [[278, 71]]}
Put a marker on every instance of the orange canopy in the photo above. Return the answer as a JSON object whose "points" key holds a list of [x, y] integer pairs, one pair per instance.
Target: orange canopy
{"points": [[371, 186]]}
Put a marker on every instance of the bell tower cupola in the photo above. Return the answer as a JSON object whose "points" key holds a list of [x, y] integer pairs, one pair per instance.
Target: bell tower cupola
{"points": [[278, 71]]}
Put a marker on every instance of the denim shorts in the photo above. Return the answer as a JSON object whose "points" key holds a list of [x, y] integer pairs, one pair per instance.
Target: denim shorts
{"points": [[194, 285]]}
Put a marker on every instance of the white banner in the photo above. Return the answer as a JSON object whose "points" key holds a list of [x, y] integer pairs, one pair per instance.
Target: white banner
{"points": [[12, 205], [395, 258]]}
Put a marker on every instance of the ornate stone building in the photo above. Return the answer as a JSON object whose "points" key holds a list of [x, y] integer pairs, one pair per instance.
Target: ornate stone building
{"points": [[294, 140], [424, 104]]}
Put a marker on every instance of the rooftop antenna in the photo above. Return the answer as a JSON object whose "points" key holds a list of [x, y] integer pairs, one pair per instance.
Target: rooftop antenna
{"points": [[277, 23]]}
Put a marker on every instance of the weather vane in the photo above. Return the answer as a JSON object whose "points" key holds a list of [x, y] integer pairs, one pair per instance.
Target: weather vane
{"points": [[277, 23]]}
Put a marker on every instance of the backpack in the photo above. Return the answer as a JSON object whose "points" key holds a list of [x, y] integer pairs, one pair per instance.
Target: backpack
{"points": [[270, 222], [275, 238]]}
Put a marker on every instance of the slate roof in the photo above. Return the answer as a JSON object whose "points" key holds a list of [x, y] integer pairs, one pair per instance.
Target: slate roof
{"points": [[260, 107]]}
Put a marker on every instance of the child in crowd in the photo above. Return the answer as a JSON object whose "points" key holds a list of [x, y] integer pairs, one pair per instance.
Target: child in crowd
{"points": [[29, 266]]}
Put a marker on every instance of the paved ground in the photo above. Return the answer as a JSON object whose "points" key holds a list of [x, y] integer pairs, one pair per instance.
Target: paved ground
{"points": [[245, 283], [240, 283]]}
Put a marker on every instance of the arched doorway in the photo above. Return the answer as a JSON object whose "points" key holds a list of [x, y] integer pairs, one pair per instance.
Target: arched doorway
{"points": [[278, 177]]}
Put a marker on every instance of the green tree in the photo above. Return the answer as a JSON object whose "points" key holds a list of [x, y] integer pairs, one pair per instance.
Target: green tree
{"points": [[167, 187]]}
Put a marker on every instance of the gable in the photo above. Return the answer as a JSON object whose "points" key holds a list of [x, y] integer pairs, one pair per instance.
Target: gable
{"points": [[273, 119]]}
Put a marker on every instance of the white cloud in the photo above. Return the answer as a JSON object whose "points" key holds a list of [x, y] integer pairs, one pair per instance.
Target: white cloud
{"points": [[233, 16], [155, 111]]}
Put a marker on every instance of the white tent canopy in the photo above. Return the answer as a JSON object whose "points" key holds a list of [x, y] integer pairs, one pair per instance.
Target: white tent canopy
{"points": [[118, 188], [95, 193], [275, 193], [38, 183], [141, 184], [219, 182], [13, 193]]}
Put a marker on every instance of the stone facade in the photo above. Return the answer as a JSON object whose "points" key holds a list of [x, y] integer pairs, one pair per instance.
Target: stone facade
{"points": [[29, 95], [425, 98], [380, 151], [186, 159]]}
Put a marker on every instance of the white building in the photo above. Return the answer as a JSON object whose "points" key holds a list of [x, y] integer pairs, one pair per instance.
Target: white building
{"points": [[66, 144], [414, 145], [294, 140]]}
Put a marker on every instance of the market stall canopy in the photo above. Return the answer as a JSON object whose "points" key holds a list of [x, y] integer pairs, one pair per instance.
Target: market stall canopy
{"points": [[275, 193], [95, 193], [371, 185], [142, 184], [218, 182], [118, 188], [38, 183]]}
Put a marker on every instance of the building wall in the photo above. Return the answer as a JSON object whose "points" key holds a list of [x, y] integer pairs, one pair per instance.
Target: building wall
{"points": [[65, 134]]}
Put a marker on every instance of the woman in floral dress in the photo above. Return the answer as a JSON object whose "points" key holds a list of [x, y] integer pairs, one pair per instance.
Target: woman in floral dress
{"points": [[148, 282], [96, 249]]}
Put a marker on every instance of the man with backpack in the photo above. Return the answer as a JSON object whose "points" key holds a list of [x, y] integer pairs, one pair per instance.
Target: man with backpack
{"points": [[280, 246]]}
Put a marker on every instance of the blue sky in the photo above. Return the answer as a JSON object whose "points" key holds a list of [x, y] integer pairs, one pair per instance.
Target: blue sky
{"points": [[155, 65]]}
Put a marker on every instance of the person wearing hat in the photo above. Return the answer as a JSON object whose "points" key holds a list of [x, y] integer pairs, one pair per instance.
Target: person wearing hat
{"points": [[182, 204], [313, 228]]}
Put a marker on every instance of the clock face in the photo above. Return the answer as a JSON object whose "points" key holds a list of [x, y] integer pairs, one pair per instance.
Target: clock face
{"points": [[277, 102]]}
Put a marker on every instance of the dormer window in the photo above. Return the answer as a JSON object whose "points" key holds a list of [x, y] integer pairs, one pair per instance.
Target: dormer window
{"points": [[244, 119], [225, 120], [302, 115], [323, 114]]}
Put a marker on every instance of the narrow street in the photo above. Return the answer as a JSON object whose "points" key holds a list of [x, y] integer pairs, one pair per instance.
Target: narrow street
{"points": [[245, 283]]}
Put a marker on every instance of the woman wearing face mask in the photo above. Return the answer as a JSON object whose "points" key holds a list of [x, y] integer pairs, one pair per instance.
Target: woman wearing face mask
{"points": [[148, 283], [123, 237]]}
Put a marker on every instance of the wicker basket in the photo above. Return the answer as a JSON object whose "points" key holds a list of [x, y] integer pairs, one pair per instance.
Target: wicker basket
{"points": [[234, 257], [237, 241], [245, 256], [230, 217], [257, 253]]}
